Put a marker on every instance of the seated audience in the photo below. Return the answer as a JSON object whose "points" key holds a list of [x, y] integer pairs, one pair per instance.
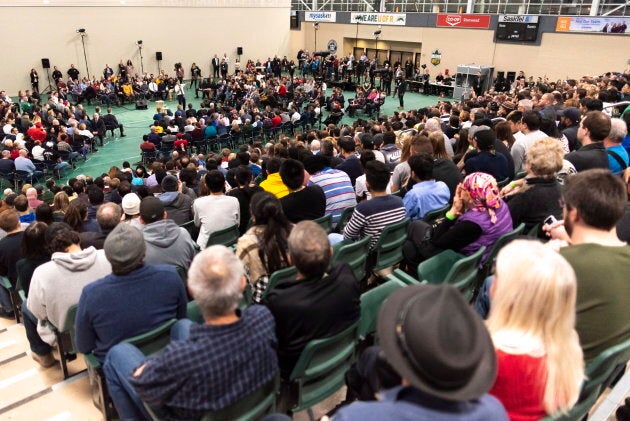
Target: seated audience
{"points": [[107, 217], [594, 202], [177, 205], [273, 183], [427, 194], [215, 211], [10, 253], [242, 360], [303, 202], [421, 377], [532, 324], [244, 192], [263, 248], [57, 285], [486, 159], [135, 298], [321, 301], [166, 242]]}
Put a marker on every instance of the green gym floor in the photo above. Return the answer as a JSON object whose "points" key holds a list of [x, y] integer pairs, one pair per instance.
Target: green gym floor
{"points": [[136, 123]]}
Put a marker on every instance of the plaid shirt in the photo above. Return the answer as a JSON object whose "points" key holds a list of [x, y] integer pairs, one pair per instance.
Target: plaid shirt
{"points": [[215, 367]]}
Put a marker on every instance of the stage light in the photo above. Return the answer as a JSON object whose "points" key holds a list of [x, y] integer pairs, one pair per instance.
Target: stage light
{"points": [[81, 31]]}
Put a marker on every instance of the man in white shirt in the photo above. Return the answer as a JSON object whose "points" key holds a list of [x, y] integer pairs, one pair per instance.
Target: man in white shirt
{"points": [[530, 128], [216, 211]]}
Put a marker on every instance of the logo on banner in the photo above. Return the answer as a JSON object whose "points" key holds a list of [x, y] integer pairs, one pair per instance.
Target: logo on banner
{"points": [[332, 46], [436, 57], [399, 19], [518, 18], [320, 17], [463, 21]]}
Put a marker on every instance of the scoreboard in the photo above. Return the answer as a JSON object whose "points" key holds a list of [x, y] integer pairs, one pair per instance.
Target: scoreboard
{"points": [[517, 28]]}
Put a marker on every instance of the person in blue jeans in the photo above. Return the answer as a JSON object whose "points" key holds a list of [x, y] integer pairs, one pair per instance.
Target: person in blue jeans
{"points": [[185, 381]]}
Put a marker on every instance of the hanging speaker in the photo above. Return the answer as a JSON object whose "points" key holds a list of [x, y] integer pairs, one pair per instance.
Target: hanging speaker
{"points": [[239, 51], [158, 55], [46, 63]]}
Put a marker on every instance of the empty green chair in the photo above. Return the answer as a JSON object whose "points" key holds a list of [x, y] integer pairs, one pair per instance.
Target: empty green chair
{"points": [[371, 303], [597, 373], [354, 254], [279, 276], [452, 268], [325, 222], [432, 216], [226, 237], [388, 249], [345, 218], [320, 370]]}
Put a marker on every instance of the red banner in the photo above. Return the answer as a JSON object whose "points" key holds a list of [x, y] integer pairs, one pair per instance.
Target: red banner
{"points": [[463, 21]]}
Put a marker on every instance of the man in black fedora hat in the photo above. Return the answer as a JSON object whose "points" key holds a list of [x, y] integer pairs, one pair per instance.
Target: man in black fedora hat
{"points": [[441, 350]]}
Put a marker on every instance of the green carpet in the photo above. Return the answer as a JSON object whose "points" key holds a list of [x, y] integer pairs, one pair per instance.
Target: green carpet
{"points": [[136, 123]]}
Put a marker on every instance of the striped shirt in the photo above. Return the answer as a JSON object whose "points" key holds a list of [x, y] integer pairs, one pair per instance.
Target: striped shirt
{"points": [[338, 190], [371, 216]]}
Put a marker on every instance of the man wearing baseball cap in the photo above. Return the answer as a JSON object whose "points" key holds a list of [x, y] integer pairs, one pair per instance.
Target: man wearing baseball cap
{"points": [[443, 353]]}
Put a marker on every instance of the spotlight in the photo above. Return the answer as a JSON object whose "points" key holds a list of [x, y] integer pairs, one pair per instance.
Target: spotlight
{"points": [[139, 42], [316, 25], [377, 33], [81, 31]]}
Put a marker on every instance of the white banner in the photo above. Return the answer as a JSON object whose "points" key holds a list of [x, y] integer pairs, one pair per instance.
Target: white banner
{"points": [[320, 16], [399, 19], [518, 18]]}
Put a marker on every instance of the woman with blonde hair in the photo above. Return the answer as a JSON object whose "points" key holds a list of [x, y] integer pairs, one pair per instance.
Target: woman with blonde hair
{"points": [[60, 206], [532, 324]]}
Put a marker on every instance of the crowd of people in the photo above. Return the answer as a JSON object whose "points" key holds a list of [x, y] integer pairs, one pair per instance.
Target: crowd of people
{"points": [[554, 157]]}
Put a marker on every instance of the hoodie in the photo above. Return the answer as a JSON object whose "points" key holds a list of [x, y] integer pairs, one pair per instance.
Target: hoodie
{"points": [[168, 244], [57, 285], [178, 206]]}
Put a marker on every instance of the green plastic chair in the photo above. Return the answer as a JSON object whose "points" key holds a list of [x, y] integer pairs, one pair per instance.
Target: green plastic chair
{"points": [[226, 237], [404, 277], [597, 373], [149, 343], [533, 231], [320, 370], [13, 294], [65, 342], [278, 277], [388, 249], [325, 222], [450, 267], [520, 174], [488, 264], [432, 216], [193, 312], [371, 303], [252, 407], [354, 254], [345, 218]]}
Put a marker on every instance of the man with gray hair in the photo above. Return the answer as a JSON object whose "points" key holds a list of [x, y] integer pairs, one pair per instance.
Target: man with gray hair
{"points": [[108, 216], [618, 159], [315, 146], [320, 302], [207, 366]]}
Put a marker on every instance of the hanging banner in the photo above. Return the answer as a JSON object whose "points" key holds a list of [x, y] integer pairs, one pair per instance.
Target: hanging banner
{"points": [[399, 19], [463, 21], [320, 16], [592, 24]]}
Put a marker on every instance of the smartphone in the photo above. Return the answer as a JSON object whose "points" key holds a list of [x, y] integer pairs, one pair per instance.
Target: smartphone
{"points": [[550, 220]]}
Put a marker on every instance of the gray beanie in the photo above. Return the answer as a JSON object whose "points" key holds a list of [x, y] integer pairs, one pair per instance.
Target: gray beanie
{"points": [[124, 248]]}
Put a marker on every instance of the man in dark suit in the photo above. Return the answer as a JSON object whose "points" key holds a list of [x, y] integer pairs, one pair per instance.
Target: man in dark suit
{"points": [[98, 128], [216, 63]]}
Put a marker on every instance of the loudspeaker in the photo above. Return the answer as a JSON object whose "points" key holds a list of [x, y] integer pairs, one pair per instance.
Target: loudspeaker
{"points": [[45, 63], [158, 55], [239, 50], [511, 77], [141, 104]]}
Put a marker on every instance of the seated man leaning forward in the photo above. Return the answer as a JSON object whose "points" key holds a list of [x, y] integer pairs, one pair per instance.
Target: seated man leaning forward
{"points": [[206, 367]]}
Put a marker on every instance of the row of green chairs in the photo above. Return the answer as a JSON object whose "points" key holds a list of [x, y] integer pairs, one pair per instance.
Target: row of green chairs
{"points": [[466, 273]]}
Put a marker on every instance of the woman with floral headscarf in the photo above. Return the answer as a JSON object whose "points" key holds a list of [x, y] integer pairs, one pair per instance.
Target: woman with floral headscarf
{"points": [[477, 218]]}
